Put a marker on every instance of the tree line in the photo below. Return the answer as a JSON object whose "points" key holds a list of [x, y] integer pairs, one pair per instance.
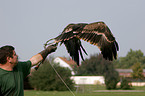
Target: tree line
{"points": [[132, 57]]}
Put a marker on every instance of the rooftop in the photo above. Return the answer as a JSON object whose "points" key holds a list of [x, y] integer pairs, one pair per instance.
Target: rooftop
{"points": [[68, 60], [126, 70]]}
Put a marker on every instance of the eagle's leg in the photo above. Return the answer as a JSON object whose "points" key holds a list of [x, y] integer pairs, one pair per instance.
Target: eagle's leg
{"points": [[52, 43]]}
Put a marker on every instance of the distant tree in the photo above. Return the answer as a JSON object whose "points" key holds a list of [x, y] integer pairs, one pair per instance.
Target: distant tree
{"points": [[111, 79], [137, 71], [46, 79], [125, 84], [129, 60], [97, 65]]}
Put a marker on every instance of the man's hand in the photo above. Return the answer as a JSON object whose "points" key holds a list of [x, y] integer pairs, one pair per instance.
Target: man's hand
{"points": [[48, 50], [51, 48]]}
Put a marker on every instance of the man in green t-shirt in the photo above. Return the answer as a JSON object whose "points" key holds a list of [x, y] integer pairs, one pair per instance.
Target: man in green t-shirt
{"points": [[12, 72]]}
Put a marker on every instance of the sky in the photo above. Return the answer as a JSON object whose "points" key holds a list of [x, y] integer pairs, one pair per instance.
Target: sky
{"points": [[28, 24]]}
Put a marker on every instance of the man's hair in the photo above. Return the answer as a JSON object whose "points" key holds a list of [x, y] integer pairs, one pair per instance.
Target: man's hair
{"points": [[6, 51]]}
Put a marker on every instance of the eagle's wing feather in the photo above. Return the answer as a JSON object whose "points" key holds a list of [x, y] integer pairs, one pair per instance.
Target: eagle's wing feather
{"points": [[69, 32], [71, 42], [74, 49], [100, 35]]}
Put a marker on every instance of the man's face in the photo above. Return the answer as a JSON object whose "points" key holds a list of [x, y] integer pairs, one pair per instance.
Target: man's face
{"points": [[14, 60]]}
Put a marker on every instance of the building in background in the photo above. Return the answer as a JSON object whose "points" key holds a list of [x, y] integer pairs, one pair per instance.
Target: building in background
{"points": [[127, 72], [65, 62], [88, 80], [69, 63]]}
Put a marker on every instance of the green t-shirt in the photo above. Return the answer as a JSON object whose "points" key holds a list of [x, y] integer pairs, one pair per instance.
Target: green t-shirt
{"points": [[11, 82]]}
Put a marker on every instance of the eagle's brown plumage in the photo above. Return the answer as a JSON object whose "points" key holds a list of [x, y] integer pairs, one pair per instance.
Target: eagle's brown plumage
{"points": [[96, 33]]}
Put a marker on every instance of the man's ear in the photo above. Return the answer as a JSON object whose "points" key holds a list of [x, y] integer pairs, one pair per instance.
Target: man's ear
{"points": [[9, 59]]}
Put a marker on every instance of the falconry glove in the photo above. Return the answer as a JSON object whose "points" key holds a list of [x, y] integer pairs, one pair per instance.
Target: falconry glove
{"points": [[47, 51]]}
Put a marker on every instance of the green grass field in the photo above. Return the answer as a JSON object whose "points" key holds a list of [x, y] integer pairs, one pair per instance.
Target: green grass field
{"points": [[67, 93], [87, 92]]}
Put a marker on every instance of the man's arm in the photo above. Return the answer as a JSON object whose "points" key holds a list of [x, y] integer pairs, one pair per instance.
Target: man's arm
{"points": [[36, 59], [42, 55]]}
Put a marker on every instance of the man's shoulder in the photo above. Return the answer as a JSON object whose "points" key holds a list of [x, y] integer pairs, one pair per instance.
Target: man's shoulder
{"points": [[21, 63], [3, 72]]}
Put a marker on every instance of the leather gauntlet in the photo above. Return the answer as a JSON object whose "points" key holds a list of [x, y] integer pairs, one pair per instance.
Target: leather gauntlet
{"points": [[47, 51]]}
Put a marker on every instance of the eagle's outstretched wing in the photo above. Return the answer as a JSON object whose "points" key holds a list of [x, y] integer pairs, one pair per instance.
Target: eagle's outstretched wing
{"points": [[100, 35], [96, 33]]}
